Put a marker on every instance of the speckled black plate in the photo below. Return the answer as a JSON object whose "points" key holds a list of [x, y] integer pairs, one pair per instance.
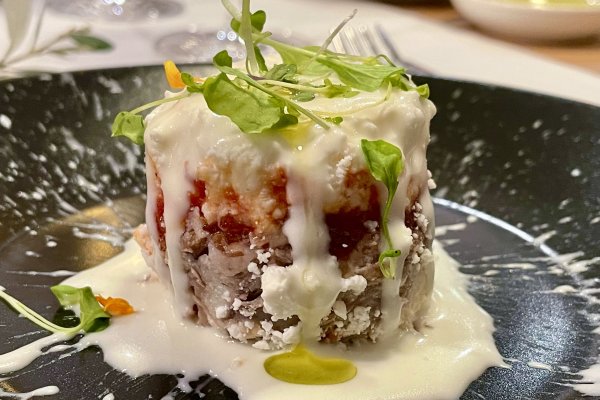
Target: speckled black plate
{"points": [[69, 195]]}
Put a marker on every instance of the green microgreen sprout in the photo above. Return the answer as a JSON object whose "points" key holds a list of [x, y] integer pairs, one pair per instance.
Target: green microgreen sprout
{"points": [[92, 317], [261, 99], [386, 163]]}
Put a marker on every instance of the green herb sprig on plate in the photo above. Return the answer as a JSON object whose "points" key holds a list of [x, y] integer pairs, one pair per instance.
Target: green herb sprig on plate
{"points": [[93, 317]]}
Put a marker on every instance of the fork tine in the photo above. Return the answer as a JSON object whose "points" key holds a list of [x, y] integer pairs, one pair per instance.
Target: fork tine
{"points": [[367, 41], [350, 41]]}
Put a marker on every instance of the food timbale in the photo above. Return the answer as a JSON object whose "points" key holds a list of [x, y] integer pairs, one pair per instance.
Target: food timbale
{"points": [[273, 234]]}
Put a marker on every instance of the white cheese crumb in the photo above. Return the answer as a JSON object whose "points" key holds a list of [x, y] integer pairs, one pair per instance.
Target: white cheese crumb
{"points": [[359, 320], [221, 312], [415, 259], [253, 268], [292, 334], [342, 167], [356, 284], [237, 303], [430, 182], [236, 333], [339, 309], [267, 326], [261, 345], [263, 256]]}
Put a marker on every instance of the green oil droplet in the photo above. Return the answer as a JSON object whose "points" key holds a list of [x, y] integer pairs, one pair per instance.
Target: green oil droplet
{"points": [[300, 366]]}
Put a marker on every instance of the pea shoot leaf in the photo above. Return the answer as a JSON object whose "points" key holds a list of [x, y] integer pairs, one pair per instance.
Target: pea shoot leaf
{"points": [[260, 59], [335, 90], [361, 76], [92, 317], [334, 120], [303, 96], [191, 85], [257, 20], [129, 125], [283, 73], [386, 163], [250, 109]]}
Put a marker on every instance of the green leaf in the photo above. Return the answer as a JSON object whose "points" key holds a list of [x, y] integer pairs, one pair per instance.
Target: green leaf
{"points": [[285, 121], [90, 42], [334, 120], [283, 73], [384, 160], [129, 125], [303, 96], [423, 91], [262, 65], [223, 59], [301, 57], [250, 109], [92, 317], [257, 19], [192, 85], [361, 76], [386, 163], [222, 62], [333, 90]]}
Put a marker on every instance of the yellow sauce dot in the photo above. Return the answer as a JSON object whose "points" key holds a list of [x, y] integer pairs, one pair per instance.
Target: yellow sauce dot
{"points": [[300, 366]]}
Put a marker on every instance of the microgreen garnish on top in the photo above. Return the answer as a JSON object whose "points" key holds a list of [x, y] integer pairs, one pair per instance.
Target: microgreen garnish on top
{"points": [[260, 97], [385, 163], [93, 315]]}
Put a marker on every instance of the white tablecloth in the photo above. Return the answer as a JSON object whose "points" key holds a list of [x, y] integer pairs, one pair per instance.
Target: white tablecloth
{"points": [[445, 51]]}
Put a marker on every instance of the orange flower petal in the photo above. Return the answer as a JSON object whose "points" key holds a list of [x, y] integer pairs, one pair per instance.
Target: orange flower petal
{"points": [[115, 305], [173, 75]]}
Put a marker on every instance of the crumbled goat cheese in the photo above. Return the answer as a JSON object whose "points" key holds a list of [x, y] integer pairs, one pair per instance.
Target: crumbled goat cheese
{"points": [[357, 284], [342, 167], [221, 312], [358, 320], [237, 303], [263, 256], [339, 308], [273, 339], [430, 182], [253, 268]]}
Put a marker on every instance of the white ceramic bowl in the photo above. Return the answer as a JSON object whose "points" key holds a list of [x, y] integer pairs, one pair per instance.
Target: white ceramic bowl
{"points": [[531, 21]]}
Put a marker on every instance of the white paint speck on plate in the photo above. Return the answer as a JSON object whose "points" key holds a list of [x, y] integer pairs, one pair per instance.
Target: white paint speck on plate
{"points": [[5, 121]]}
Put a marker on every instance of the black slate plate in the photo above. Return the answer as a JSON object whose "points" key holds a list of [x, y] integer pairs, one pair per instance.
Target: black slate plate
{"points": [[530, 160]]}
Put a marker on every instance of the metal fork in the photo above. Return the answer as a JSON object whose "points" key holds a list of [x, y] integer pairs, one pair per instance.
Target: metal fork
{"points": [[369, 41]]}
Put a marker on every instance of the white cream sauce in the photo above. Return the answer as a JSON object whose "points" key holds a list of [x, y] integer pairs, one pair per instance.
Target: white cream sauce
{"points": [[43, 391], [454, 348]]}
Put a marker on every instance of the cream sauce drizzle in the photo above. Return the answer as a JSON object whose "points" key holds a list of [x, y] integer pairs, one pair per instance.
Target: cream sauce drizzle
{"points": [[43, 391], [454, 348]]}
